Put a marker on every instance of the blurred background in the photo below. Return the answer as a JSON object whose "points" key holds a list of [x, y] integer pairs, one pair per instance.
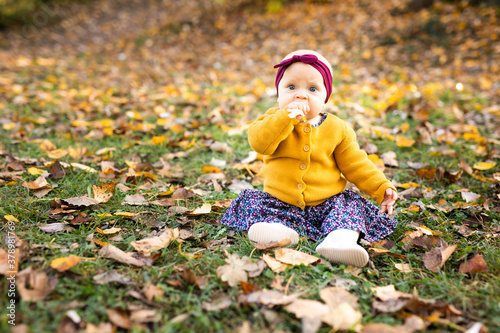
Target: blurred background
{"points": [[223, 51]]}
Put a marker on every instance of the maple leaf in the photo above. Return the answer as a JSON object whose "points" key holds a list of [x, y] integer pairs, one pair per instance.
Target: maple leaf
{"points": [[236, 270]]}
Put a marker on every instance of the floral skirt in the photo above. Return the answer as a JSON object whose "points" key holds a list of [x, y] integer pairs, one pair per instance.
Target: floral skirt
{"points": [[346, 210]]}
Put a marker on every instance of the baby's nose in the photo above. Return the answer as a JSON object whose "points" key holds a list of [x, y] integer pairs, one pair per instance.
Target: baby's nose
{"points": [[301, 94]]}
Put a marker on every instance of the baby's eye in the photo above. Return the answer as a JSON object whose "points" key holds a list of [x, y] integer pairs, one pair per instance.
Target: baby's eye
{"points": [[291, 87], [313, 89]]}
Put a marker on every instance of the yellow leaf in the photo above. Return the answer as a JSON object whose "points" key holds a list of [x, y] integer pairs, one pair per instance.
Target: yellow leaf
{"points": [[46, 146], [210, 169], [103, 123], [127, 214], [402, 141], [11, 218], [64, 263], [83, 167], [109, 231], [484, 165], [409, 185], [158, 140], [405, 127], [57, 153], [103, 192], [35, 171], [145, 174], [9, 126]]}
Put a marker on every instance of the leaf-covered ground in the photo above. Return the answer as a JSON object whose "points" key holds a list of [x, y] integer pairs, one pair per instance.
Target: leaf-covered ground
{"points": [[124, 139]]}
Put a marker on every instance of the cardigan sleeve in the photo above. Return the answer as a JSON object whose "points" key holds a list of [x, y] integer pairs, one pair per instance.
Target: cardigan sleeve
{"points": [[269, 130], [358, 169]]}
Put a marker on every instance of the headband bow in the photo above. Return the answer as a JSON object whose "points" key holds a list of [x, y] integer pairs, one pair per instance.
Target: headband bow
{"points": [[309, 59]]}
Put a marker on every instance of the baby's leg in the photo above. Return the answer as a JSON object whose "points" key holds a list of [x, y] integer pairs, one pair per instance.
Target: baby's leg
{"points": [[341, 246]]}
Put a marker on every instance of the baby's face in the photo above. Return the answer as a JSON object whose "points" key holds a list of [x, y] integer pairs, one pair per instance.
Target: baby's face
{"points": [[301, 83]]}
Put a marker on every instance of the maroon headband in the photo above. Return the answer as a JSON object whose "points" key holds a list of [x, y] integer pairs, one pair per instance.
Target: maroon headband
{"points": [[309, 59]]}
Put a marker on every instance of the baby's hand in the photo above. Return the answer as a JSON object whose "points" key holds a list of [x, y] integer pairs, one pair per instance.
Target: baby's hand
{"points": [[390, 198], [299, 106], [298, 110]]}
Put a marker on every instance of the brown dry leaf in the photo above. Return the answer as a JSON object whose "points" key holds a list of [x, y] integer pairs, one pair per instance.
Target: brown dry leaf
{"points": [[56, 227], [112, 276], [236, 269], [56, 170], [293, 257], [81, 201], [475, 264], [40, 285], [145, 316], [343, 314], [404, 268], [275, 265], [119, 318], [284, 242], [151, 291], [204, 209], [191, 278], [38, 184], [305, 308], [148, 245], [112, 252], [103, 192], [217, 304], [380, 328], [267, 297], [390, 159], [470, 196], [135, 200], [182, 193], [64, 263], [437, 257]]}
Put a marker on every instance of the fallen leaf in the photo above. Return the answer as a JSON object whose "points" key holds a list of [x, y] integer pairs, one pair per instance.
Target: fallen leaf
{"points": [[151, 291], [267, 297], [191, 278], [110, 251], [39, 183], [294, 257], [148, 245], [437, 257], [470, 196], [135, 200], [204, 209], [34, 286], [119, 318], [56, 227], [236, 269], [109, 231], [343, 313], [307, 308], [475, 264], [112, 276], [219, 303], [402, 141], [64, 263], [275, 265], [484, 165], [284, 242], [404, 268], [103, 192], [81, 201]]}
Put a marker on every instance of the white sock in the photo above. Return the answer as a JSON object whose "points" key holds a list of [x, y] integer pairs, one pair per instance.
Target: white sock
{"points": [[262, 232], [341, 246]]}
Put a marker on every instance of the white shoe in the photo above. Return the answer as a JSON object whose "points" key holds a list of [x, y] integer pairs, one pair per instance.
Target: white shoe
{"points": [[341, 246], [263, 233]]}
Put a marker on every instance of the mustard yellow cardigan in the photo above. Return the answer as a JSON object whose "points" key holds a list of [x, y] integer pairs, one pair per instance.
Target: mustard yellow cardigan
{"points": [[305, 165]]}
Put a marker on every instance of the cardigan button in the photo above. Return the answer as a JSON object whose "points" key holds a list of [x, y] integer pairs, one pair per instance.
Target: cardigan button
{"points": [[303, 166], [306, 148], [300, 203], [299, 186], [307, 129]]}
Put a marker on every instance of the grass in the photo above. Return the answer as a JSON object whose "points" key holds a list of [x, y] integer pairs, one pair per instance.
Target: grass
{"points": [[180, 308]]}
